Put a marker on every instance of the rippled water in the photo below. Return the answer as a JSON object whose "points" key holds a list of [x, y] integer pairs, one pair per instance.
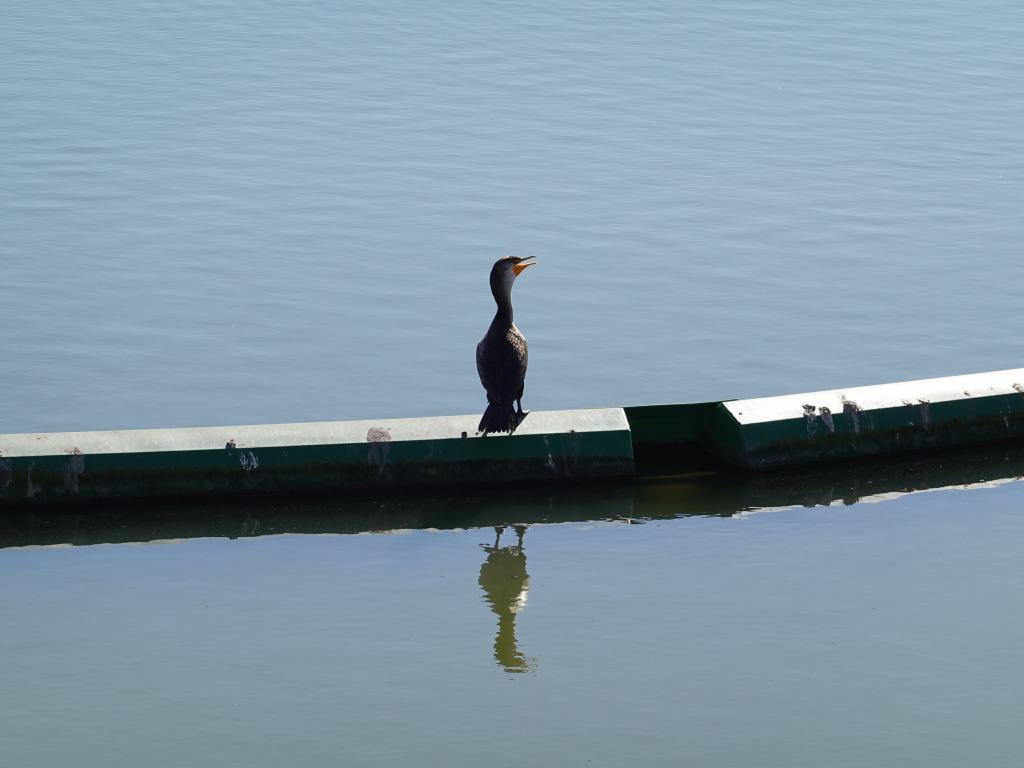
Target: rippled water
{"points": [[225, 212], [233, 213]]}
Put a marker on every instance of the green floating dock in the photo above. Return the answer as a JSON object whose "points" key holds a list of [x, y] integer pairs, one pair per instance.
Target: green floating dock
{"points": [[705, 495], [310, 458], [860, 422], [340, 458]]}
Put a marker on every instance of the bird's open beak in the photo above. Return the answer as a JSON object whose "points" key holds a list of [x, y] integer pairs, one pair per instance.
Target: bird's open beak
{"points": [[518, 268]]}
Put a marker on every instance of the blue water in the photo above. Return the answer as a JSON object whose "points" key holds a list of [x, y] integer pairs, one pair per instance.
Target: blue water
{"points": [[873, 634], [226, 213], [221, 212]]}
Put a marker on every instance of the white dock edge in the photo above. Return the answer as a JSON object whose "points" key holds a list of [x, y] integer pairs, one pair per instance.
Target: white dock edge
{"points": [[866, 421]]}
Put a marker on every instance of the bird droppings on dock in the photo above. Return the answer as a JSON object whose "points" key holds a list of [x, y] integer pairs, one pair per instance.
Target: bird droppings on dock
{"points": [[6, 475], [249, 461], [74, 469], [852, 411], [826, 417], [925, 413], [811, 418], [379, 439]]}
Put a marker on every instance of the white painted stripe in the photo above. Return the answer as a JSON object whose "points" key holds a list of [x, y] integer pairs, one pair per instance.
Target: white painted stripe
{"points": [[783, 407], [313, 433]]}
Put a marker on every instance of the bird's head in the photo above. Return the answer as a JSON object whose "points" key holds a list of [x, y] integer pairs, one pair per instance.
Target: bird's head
{"points": [[506, 270]]}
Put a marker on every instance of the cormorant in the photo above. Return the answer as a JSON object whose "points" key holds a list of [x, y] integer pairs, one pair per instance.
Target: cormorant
{"points": [[501, 355]]}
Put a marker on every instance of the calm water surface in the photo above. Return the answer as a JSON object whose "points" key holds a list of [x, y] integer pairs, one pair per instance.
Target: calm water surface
{"points": [[872, 634], [227, 212]]}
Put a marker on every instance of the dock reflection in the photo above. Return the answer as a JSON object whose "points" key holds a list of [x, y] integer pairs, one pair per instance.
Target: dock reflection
{"points": [[650, 499], [504, 581]]}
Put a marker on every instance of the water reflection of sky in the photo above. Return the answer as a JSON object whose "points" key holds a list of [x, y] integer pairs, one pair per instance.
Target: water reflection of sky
{"points": [[721, 639]]}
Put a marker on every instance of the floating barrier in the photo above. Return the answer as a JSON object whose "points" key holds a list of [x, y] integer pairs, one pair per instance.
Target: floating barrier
{"points": [[837, 486], [321, 457], [862, 422], [343, 458]]}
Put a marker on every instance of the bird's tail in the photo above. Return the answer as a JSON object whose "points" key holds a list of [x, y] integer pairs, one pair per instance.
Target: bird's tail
{"points": [[499, 417]]}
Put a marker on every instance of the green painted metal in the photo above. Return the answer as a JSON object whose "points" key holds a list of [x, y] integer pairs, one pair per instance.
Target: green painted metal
{"points": [[672, 438], [864, 422], [673, 424], [719, 494], [343, 458], [327, 457]]}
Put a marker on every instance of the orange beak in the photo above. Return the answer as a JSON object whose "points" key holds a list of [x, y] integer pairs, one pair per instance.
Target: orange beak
{"points": [[518, 268]]}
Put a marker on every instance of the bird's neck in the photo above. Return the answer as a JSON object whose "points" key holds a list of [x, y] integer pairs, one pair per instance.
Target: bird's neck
{"points": [[503, 298]]}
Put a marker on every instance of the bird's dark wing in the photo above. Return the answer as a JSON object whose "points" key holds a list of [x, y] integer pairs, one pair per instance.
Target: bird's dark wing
{"points": [[520, 359], [483, 365], [501, 364], [522, 378]]}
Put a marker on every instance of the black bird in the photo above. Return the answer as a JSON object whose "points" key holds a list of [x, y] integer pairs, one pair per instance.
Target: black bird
{"points": [[501, 355]]}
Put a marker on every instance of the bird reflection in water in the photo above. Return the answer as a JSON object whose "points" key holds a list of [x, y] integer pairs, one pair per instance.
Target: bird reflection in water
{"points": [[505, 585]]}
